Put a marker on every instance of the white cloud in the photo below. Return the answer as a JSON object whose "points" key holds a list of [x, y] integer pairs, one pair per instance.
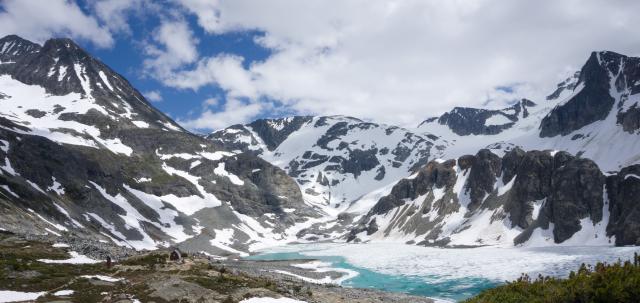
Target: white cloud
{"points": [[235, 111], [115, 14], [175, 45], [153, 96], [402, 61], [39, 20], [206, 12], [225, 70]]}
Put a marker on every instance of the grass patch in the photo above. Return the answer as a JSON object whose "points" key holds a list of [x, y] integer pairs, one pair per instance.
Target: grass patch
{"points": [[20, 269], [226, 283]]}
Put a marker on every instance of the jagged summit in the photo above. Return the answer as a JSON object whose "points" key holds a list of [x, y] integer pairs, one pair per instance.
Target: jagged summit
{"points": [[13, 46], [62, 67], [83, 153], [608, 86], [477, 121]]}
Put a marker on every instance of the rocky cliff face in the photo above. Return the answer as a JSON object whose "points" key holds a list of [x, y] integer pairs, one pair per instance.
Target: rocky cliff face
{"points": [[523, 198], [623, 192], [607, 79], [82, 152]]}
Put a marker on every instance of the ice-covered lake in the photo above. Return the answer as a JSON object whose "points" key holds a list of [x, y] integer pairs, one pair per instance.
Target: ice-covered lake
{"points": [[446, 273]]}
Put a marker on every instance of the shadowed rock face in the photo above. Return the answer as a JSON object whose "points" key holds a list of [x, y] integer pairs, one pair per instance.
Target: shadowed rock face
{"points": [[630, 120], [591, 104], [530, 190], [623, 190], [433, 174], [473, 121], [594, 101], [576, 193], [273, 136], [485, 169]]}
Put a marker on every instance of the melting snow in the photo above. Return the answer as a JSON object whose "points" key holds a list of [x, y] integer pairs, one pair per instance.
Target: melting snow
{"points": [[103, 76], [221, 171], [496, 120], [17, 296], [140, 124], [50, 126], [6, 187], [76, 258], [66, 292], [102, 278]]}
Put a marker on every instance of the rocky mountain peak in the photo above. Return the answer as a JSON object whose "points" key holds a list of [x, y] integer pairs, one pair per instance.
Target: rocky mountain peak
{"points": [[12, 46], [62, 67], [565, 86], [80, 146], [606, 79], [465, 121]]}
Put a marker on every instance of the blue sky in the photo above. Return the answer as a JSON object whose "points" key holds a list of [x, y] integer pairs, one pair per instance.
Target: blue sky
{"points": [[214, 63], [126, 56]]}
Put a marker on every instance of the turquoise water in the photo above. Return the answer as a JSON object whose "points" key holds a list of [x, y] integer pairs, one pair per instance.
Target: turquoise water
{"points": [[429, 286]]}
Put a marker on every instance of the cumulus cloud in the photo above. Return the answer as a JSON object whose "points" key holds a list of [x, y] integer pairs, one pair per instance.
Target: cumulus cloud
{"points": [[39, 20], [153, 95], [402, 61], [225, 70], [205, 10], [115, 14], [173, 46], [234, 111]]}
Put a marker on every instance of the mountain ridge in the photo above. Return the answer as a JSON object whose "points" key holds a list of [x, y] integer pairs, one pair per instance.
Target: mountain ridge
{"points": [[460, 133], [83, 153]]}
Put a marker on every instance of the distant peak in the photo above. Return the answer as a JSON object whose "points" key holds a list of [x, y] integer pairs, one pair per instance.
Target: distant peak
{"points": [[12, 38], [14, 45], [62, 43]]}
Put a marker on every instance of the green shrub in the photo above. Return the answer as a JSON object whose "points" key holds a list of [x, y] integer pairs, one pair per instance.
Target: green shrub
{"points": [[618, 282]]}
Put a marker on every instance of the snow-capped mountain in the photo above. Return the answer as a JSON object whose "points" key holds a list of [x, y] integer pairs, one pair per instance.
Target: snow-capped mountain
{"points": [[83, 153], [336, 159], [502, 195], [475, 121], [593, 114]]}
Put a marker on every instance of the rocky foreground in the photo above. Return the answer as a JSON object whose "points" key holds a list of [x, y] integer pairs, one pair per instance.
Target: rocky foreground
{"points": [[47, 270]]}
